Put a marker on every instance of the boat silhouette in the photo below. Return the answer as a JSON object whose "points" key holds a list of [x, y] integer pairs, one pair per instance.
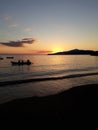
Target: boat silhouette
{"points": [[1, 58], [21, 62], [9, 57]]}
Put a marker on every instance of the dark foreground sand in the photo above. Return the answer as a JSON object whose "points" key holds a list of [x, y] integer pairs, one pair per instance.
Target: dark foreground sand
{"points": [[77, 105]]}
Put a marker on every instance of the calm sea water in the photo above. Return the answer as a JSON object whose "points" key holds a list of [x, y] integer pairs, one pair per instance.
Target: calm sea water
{"points": [[45, 66]]}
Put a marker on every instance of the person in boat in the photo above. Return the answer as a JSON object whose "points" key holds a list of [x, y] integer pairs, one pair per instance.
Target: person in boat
{"points": [[22, 61], [28, 61], [19, 62]]}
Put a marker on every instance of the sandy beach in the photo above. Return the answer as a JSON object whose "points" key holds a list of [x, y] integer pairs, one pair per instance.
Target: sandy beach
{"points": [[76, 104]]}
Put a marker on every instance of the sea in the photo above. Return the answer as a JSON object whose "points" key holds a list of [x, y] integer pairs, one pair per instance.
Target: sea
{"points": [[47, 75]]}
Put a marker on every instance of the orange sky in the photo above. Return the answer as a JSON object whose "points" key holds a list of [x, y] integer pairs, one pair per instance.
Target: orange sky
{"points": [[53, 26]]}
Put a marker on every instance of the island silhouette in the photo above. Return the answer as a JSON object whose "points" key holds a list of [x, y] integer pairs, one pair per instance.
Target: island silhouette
{"points": [[77, 52]]}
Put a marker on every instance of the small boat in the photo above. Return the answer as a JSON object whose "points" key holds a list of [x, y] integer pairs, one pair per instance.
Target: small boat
{"points": [[21, 62], [1, 58], [9, 57]]}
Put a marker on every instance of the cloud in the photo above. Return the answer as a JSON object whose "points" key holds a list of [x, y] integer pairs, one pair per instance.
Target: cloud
{"points": [[13, 25], [27, 30], [7, 18], [41, 51], [19, 43]]}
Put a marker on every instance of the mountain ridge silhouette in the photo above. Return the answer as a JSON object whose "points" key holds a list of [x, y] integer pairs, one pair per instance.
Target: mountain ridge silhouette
{"points": [[76, 52]]}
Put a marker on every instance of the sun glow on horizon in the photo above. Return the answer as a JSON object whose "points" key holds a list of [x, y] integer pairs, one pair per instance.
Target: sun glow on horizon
{"points": [[54, 50]]}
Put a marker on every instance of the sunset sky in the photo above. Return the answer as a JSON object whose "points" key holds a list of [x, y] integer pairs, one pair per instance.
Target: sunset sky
{"points": [[46, 26]]}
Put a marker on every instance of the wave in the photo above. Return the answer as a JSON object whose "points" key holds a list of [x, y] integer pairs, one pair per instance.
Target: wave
{"points": [[48, 72], [6, 83]]}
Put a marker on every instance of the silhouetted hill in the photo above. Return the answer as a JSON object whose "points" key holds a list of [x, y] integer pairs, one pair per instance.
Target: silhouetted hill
{"points": [[95, 53], [76, 52]]}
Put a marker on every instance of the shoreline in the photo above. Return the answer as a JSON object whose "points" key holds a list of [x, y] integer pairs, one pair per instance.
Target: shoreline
{"points": [[79, 102]]}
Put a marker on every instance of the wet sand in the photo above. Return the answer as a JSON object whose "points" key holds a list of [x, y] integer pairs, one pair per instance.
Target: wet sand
{"points": [[76, 105]]}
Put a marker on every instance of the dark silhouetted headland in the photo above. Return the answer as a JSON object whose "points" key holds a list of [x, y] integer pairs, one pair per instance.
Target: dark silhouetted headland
{"points": [[76, 52], [95, 53]]}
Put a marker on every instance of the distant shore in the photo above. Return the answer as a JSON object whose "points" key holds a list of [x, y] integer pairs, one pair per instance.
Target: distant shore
{"points": [[77, 52], [77, 103]]}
